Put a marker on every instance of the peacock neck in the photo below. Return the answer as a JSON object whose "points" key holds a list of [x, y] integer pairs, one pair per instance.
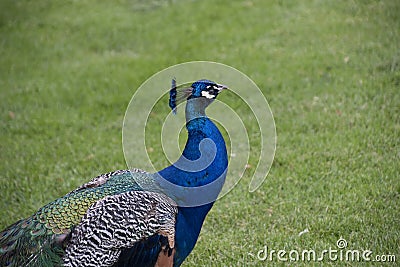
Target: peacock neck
{"points": [[204, 158], [200, 174], [196, 108]]}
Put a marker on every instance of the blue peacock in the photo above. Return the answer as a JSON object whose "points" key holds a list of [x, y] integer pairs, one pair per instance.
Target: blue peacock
{"points": [[131, 217]]}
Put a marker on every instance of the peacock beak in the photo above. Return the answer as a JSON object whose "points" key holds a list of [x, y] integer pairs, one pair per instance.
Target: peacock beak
{"points": [[221, 87]]}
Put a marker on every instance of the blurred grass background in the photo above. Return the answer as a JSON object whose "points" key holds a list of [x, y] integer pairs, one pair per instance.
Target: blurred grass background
{"points": [[329, 69]]}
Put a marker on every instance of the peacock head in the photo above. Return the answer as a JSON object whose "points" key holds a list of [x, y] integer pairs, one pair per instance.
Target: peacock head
{"points": [[203, 89]]}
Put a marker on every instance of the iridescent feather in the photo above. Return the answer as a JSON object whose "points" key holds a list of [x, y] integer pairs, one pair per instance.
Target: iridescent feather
{"points": [[40, 240], [178, 94]]}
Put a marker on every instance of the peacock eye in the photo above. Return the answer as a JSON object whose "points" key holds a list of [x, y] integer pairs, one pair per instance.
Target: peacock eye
{"points": [[211, 88]]}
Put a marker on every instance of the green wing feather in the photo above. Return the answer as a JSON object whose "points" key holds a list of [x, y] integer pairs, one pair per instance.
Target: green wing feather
{"points": [[40, 240]]}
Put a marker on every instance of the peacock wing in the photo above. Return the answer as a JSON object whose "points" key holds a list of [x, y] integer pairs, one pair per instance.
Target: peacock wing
{"points": [[40, 239], [118, 222]]}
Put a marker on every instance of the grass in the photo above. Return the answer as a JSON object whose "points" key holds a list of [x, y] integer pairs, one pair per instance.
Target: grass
{"points": [[329, 69]]}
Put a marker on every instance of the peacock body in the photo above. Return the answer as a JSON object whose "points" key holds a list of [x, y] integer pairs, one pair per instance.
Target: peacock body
{"points": [[130, 217]]}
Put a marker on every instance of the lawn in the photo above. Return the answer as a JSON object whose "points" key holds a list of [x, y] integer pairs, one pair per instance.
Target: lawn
{"points": [[330, 71]]}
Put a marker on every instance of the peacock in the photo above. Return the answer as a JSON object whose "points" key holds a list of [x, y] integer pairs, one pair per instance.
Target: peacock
{"points": [[131, 217]]}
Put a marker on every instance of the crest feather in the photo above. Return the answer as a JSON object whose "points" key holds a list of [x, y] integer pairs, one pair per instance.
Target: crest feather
{"points": [[178, 94]]}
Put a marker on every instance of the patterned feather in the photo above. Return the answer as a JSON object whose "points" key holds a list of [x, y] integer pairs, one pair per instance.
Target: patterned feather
{"points": [[118, 222], [40, 240]]}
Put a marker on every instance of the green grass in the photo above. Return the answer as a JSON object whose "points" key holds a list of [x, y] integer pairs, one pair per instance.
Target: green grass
{"points": [[329, 69]]}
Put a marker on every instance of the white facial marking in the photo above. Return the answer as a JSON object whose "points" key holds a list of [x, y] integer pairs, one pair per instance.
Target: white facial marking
{"points": [[207, 94]]}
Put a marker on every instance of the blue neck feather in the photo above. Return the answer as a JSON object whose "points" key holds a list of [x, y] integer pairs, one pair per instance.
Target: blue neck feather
{"points": [[188, 172]]}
